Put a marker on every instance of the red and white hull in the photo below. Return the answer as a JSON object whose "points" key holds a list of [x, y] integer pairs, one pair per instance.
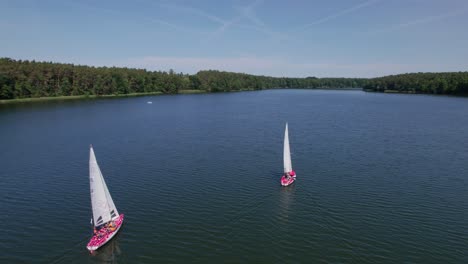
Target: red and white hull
{"points": [[103, 236], [285, 181]]}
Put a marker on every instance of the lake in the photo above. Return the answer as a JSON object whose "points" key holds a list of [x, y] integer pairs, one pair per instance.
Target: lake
{"points": [[382, 178]]}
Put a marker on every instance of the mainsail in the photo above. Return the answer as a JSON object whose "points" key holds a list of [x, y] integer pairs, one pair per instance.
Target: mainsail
{"points": [[287, 152], [103, 207]]}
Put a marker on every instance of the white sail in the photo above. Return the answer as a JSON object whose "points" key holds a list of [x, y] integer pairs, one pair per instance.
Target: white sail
{"points": [[286, 152], [103, 207], [112, 209]]}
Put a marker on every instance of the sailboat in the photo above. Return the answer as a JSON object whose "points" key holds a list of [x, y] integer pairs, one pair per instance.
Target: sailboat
{"points": [[106, 218], [289, 175]]}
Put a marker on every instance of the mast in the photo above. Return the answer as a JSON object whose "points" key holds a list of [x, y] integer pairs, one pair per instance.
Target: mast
{"points": [[287, 164]]}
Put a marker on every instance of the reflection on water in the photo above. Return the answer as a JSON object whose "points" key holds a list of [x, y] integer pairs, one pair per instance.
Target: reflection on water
{"points": [[109, 253], [286, 198]]}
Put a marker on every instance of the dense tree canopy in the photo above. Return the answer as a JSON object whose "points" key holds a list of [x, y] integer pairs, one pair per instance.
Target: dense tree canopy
{"points": [[29, 79], [434, 83], [26, 79], [229, 81]]}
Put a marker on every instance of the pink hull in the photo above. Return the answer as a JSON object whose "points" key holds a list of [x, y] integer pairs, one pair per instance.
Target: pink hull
{"points": [[103, 236], [285, 181]]}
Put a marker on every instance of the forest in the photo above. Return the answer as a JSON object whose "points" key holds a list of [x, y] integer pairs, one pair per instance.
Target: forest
{"points": [[31, 79], [455, 83]]}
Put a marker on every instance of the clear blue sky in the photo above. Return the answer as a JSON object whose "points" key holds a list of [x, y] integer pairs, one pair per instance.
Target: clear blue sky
{"points": [[347, 38]]}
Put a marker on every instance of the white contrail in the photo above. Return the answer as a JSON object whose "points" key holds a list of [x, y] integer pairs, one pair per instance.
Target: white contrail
{"points": [[195, 11], [420, 21], [238, 18], [338, 14]]}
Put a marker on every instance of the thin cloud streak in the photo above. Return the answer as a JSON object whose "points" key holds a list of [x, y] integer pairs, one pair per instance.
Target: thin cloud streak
{"points": [[421, 21], [236, 19], [276, 35], [259, 25], [338, 14], [149, 19], [250, 14], [195, 11], [247, 12]]}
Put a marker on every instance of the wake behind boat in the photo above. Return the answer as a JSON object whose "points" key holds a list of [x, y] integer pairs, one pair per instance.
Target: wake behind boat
{"points": [[106, 219], [289, 175]]}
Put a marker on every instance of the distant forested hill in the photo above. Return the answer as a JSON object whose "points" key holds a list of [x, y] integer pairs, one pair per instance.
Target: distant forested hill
{"points": [[30, 79], [434, 83]]}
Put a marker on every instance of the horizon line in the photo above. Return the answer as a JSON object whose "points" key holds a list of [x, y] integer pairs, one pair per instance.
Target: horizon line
{"points": [[211, 69]]}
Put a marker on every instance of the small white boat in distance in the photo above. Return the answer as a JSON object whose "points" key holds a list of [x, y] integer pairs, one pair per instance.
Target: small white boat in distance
{"points": [[149, 102], [106, 218], [289, 175]]}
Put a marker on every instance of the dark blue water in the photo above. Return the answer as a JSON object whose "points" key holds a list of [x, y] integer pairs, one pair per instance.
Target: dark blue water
{"points": [[381, 178]]}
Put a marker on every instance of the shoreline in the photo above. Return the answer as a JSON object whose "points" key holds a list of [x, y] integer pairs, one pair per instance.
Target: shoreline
{"points": [[81, 97], [190, 91], [412, 92], [392, 91]]}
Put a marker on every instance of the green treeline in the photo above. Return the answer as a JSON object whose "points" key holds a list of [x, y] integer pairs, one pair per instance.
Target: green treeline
{"points": [[214, 81], [30, 79], [455, 83]]}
